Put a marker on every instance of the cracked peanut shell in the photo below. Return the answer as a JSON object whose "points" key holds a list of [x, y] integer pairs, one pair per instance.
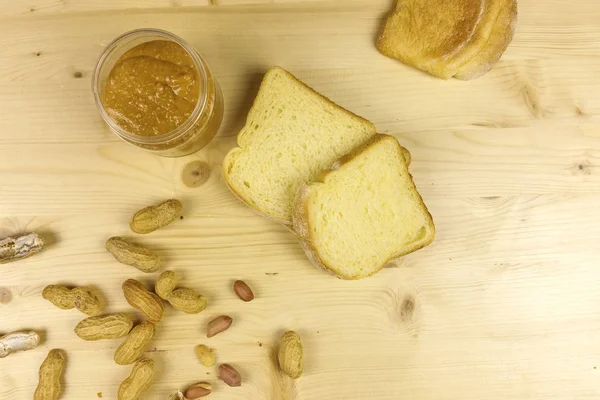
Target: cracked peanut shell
{"points": [[291, 355]]}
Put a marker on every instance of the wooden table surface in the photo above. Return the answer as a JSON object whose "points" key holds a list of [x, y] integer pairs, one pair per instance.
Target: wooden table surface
{"points": [[503, 305]]}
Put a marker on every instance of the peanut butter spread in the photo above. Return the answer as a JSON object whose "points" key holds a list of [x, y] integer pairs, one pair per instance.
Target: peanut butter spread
{"points": [[152, 89]]}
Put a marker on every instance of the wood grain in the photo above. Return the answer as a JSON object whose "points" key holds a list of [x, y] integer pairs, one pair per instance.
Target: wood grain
{"points": [[49, 7], [502, 305]]}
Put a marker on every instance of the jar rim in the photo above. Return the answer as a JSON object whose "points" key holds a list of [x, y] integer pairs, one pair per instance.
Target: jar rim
{"points": [[181, 129]]}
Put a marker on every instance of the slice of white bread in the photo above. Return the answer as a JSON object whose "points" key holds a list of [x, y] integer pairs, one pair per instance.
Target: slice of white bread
{"points": [[292, 133], [495, 46], [440, 36], [363, 212]]}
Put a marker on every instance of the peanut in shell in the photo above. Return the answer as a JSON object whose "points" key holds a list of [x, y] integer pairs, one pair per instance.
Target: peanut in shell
{"points": [[155, 217]]}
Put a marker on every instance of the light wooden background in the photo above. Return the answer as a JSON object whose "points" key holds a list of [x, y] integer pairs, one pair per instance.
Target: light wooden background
{"points": [[503, 305]]}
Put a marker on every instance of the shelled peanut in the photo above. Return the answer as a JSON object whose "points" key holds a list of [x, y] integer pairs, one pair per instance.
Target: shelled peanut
{"points": [[80, 297], [243, 291], [134, 345], [218, 325], [111, 326], [206, 355], [51, 370], [198, 390], [141, 298], [229, 375]]}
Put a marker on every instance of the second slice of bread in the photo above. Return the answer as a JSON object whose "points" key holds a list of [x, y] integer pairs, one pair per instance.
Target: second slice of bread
{"points": [[430, 34], [442, 36], [292, 133], [363, 212]]}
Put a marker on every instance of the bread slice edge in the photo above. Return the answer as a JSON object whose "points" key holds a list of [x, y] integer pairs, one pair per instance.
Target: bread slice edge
{"points": [[231, 153], [467, 71]]}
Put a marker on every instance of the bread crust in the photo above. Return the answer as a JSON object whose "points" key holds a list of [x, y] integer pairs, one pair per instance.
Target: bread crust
{"points": [[483, 32], [504, 30], [432, 35], [229, 155], [301, 229], [463, 45], [301, 224]]}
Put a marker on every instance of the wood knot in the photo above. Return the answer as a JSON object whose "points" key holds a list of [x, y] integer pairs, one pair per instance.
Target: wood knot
{"points": [[77, 75], [195, 174], [582, 168], [5, 295], [580, 112], [407, 309]]}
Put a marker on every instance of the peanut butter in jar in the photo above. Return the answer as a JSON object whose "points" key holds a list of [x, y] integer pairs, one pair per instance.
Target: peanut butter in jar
{"points": [[155, 92]]}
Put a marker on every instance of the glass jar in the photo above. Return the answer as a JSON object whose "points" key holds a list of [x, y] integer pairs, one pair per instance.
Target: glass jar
{"points": [[197, 131]]}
